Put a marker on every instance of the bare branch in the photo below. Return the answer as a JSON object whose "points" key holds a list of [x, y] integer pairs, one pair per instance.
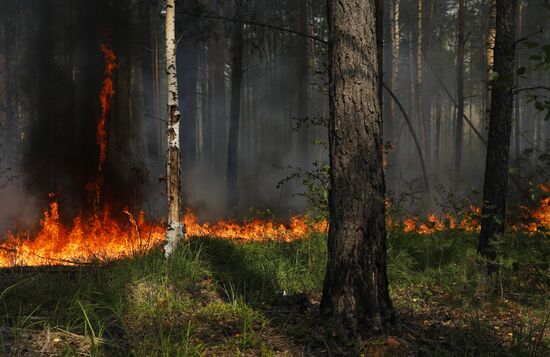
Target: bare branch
{"points": [[518, 90], [526, 37]]}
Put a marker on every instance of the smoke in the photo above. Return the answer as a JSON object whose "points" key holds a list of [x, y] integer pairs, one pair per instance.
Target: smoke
{"points": [[56, 68]]}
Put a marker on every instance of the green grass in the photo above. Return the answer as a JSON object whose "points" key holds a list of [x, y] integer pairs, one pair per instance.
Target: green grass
{"points": [[217, 297]]}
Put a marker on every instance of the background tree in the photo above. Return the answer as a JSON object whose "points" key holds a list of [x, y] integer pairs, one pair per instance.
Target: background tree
{"points": [[460, 93], [237, 48]]}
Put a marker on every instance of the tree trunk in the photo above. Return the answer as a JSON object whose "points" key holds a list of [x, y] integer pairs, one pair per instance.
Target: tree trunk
{"points": [[500, 127], [437, 138], [355, 292], [490, 58], [175, 230], [220, 119], [303, 82], [234, 119], [517, 97], [460, 94], [395, 42], [420, 78]]}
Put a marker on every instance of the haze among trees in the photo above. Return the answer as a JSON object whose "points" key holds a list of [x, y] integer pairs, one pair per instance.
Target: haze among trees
{"points": [[415, 133]]}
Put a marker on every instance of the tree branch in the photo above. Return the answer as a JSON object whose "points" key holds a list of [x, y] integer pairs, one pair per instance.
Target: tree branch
{"points": [[413, 133], [526, 37], [518, 90], [256, 23]]}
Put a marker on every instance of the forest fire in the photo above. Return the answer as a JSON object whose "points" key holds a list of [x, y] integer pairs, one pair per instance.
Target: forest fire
{"points": [[102, 237], [105, 97]]}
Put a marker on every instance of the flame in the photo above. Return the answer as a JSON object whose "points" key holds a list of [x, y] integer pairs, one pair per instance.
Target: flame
{"points": [[102, 237], [106, 99]]}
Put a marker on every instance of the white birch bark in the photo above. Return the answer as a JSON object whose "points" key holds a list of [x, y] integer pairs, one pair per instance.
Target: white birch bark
{"points": [[175, 231]]}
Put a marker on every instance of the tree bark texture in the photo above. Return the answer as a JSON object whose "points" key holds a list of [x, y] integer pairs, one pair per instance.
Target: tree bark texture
{"points": [[490, 58], [355, 292], [500, 127], [175, 229]]}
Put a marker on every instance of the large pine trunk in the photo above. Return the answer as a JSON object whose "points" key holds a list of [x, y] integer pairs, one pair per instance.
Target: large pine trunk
{"points": [[500, 128], [355, 292]]}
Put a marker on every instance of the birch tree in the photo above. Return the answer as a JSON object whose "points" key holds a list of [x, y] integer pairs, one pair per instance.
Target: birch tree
{"points": [[175, 229]]}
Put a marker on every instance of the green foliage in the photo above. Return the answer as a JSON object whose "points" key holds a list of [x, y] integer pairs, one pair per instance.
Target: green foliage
{"points": [[217, 297], [316, 185]]}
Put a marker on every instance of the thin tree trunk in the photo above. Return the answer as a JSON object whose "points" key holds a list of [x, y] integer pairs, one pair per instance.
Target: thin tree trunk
{"points": [[460, 95], [500, 127], [355, 292], [415, 139], [175, 230], [437, 139], [420, 78], [517, 109], [234, 120], [302, 72], [395, 42]]}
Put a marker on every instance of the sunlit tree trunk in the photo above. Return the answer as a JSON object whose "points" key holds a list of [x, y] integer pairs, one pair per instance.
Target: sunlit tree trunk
{"points": [[175, 230], [500, 127], [490, 58], [395, 42], [355, 292]]}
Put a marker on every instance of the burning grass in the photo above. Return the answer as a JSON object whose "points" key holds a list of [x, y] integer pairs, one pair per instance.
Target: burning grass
{"points": [[222, 297], [101, 237]]}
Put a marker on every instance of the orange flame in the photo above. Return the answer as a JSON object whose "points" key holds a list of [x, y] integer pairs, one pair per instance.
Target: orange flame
{"points": [[106, 99], [102, 237]]}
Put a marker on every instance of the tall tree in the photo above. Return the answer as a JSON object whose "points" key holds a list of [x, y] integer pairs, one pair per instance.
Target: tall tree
{"points": [[302, 72], [235, 113], [500, 128], [460, 93], [422, 121], [490, 58], [355, 292], [175, 229], [395, 43]]}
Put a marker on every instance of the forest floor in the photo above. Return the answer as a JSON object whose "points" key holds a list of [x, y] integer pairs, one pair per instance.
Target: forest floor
{"points": [[227, 298]]}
